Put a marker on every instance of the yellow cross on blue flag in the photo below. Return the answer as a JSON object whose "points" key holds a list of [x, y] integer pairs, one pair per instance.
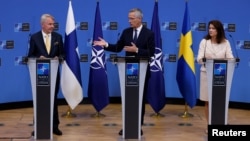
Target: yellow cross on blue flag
{"points": [[185, 75]]}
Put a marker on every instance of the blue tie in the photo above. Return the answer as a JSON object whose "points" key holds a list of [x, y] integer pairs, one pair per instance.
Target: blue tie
{"points": [[135, 36]]}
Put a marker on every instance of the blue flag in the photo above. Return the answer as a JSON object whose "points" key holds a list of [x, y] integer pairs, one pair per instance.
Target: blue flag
{"points": [[185, 67], [156, 85], [71, 83], [98, 82]]}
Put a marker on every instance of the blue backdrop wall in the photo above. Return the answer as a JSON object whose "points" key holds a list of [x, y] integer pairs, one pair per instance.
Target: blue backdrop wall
{"points": [[15, 14]]}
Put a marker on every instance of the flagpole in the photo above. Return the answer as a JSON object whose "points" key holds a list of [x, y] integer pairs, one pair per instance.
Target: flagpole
{"points": [[186, 114]]}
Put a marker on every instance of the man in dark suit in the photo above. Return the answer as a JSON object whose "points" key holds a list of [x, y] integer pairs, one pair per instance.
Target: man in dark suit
{"points": [[53, 49], [142, 45]]}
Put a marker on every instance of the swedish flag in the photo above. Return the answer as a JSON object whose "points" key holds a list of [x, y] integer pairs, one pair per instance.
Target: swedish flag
{"points": [[185, 66]]}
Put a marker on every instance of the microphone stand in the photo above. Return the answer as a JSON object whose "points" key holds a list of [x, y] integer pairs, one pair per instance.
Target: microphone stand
{"points": [[237, 59], [25, 58]]}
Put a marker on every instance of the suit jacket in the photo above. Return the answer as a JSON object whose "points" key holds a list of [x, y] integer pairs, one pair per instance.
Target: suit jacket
{"points": [[38, 48], [145, 42], [146, 48]]}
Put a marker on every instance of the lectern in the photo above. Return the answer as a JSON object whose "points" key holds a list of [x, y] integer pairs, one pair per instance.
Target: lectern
{"points": [[132, 72], [219, 75], [43, 74]]}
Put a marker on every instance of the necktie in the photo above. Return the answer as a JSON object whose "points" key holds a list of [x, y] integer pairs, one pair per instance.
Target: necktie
{"points": [[47, 43], [135, 36]]}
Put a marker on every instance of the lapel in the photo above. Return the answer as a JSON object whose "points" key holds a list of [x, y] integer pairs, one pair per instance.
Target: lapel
{"points": [[43, 46], [140, 35], [131, 34], [52, 43]]}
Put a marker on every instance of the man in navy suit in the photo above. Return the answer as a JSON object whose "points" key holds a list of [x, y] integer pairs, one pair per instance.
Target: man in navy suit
{"points": [[38, 50], [144, 46]]}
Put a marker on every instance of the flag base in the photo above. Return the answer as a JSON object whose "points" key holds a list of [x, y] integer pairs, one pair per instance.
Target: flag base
{"points": [[69, 114], [186, 115], [157, 115], [98, 115]]}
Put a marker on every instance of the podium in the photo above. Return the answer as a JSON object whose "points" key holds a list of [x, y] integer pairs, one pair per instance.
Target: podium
{"points": [[43, 74], [219, 75], [132, 72]]}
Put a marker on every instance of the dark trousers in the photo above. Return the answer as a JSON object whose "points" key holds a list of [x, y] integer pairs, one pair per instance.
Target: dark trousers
{"points": [[56, 121], [143, 111], [144, 98]]}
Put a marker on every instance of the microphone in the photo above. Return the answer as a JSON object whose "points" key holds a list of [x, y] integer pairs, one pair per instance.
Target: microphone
{"points": [[25, 58], [60, 55], [114, 56], [118, 37], [204, 56], [234, 46]]}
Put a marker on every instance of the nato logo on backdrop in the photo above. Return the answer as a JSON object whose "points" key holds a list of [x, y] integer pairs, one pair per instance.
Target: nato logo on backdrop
{"points": [[21, 27], [109, 25], [18, 60], [169, 57], [229, 27], [82, 26], [3, 44], [196, 26], [169, 26], [165, 26], [240, 44], [18, 27], [6, 44]]}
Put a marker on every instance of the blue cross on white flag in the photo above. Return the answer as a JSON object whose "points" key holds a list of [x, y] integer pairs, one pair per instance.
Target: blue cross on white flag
{"points": [[71, 83]]}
